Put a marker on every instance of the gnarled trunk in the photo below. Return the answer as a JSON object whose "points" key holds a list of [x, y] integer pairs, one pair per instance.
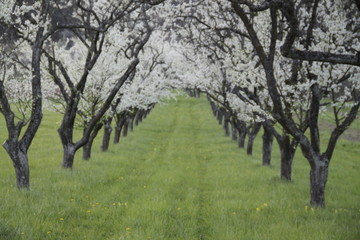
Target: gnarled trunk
{"points": [[68, 155], [88, 146], [131, 123], [117, 134], [22, 172], [241, 140], [318, 179], [227, 123], [252, 135], [287, 152], [107, 134], [20, 162], [138, 117], [120, 120], [242, 132], [220, 116], [86, 154], [233, 131], [226, 128], [267, 146], [125, 127]]}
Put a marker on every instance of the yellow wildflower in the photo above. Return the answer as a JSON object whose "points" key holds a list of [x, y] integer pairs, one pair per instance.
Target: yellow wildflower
{"points": [[257, 209], [61, 219]]}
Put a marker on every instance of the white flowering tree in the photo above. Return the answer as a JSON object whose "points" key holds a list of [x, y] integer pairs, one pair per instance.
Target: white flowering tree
{"points": [[237, 81], [108, 23], [21, 49], [150, 86], [324, 87]]}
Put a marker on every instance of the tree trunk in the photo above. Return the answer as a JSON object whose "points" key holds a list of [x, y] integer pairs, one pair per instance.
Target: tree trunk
{"points": [[69, 154], [107, 133], [220, 116], [88, 146], [120, 120], [252, 135], [213, 107], [287, 152], [267, 147], [318, 179], [226, 127], [125, 127], [22, 173], [131, 122], [138, 117], [233, 131], [242, 131], [241, 140], [146, 113], [86, 155], [117, 134], [21, 164], [141, 116]]}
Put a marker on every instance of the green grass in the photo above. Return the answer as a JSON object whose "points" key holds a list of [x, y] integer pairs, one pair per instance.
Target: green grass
{"points": [[175, 177]]}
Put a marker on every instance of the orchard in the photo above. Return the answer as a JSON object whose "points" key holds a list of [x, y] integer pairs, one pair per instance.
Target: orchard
{"points": [[276, 68]]}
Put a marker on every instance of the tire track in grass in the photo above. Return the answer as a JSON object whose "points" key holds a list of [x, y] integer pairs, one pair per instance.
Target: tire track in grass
{"points": [[189, 188], [203, 187]]}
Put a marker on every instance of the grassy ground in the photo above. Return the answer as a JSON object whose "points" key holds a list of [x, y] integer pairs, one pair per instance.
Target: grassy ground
{"points": [[175, 177]]}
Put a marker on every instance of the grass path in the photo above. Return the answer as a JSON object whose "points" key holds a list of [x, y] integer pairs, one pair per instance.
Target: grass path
{"points": [[175, 177]]}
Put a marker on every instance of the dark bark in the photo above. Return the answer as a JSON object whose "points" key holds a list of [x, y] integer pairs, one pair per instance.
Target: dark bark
{"points": [[146, 113], [318, 179], [86, 155], [22, 171], [120, 121], [213, 106], [21, 164], [131, 122], [68, 155], [220, 116], [242, 131], [227, 127], [107, 134], [287, 151], [138, 117], [233, 131], [252, 135], [267, 146], [88, 146], [125, 127], [117, 134]]}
